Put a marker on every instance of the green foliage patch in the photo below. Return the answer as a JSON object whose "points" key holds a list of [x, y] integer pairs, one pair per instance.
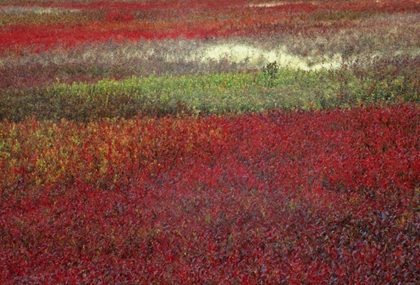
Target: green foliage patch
{"points": [[222, 93]]}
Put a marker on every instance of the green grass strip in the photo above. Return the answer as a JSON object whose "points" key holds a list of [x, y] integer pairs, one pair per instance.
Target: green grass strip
{"points": [[193, 95]]}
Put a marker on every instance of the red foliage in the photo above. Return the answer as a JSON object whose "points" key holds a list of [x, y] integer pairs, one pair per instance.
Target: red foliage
{"points": [[115, 16], [190, 19], [280, 197]]}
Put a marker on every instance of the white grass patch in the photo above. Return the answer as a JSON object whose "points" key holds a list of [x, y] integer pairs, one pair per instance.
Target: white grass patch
{"points": [[274, 4], [256, 57], [34, 10], [264, 5]]}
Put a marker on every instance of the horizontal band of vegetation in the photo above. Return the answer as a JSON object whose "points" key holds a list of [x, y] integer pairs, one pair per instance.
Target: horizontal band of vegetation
{"points": [[69, 25], [335, 190], [224, 93]]}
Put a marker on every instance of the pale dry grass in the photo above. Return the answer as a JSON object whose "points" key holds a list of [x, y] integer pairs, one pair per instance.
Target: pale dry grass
{"points": [[18, 10]]}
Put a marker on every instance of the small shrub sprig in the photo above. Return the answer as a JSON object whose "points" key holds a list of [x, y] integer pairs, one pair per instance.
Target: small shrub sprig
{"points": [[271, 70]]}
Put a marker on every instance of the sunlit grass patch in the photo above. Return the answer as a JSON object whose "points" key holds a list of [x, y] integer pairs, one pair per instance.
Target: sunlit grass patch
{"points": [[18, 10]]}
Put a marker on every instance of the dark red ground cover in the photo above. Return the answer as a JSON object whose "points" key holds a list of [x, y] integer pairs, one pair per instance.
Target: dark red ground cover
{"points": [[329, 197]]}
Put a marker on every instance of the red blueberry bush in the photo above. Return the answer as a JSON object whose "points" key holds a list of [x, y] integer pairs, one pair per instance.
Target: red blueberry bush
{"points": [[115, 16], [327, 197]]}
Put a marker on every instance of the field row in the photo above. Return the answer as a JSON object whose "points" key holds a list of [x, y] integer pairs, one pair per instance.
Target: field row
{"points": [[277, 197], [221, 93], [393, 39], [23, 27]]}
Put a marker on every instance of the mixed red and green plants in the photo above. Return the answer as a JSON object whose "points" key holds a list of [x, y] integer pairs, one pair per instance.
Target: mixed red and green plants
{"points": [[209, 142]]}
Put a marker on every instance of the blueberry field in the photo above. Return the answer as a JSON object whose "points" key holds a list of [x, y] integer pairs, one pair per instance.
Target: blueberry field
{"points": [[209, 142]]}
